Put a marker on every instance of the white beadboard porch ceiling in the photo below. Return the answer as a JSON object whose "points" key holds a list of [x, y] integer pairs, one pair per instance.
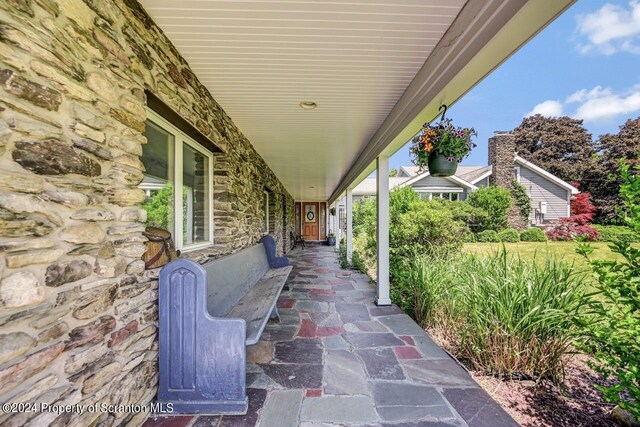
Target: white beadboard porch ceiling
{"points": [[260, 59], [354, 58]]}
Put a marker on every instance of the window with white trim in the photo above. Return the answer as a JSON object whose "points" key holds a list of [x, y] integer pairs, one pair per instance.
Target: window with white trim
{"points": [[429, 195], [178, 181]]}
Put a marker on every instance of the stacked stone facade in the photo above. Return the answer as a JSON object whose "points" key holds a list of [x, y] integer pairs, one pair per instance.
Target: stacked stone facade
{"points": [[502, 151], [78, 311]]}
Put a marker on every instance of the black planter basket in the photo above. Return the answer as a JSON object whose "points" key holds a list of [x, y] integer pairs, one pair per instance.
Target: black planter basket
{"points": [[440, 166]]}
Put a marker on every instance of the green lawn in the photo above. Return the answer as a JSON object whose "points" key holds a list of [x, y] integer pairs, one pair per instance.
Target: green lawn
{"points": [[561, 250]]}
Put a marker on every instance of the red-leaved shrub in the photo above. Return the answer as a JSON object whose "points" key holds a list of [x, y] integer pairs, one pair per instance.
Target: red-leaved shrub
{"points": [[578, 224], [570, 228], [581, 207]]}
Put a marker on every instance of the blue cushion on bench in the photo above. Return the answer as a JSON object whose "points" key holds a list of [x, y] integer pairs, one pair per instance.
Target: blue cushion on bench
{"points": [[270, 248]]}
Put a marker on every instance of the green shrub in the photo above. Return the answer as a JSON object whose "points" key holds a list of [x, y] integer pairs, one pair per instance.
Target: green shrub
{"points": [[509, 235], [417, 227], [358, 263], [474, 218], [342, 256], [506, 316], [612, 233], [469, 237], [611, 325], [487, 236], [533, 235], [496, 201], [402, 200], [364, 215], [422, 228]]}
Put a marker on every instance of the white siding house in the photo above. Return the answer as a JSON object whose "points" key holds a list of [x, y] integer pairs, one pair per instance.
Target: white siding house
{"points": [[550, 196]]}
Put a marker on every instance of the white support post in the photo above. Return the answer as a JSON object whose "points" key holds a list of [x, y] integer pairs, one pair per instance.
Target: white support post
{"points": [[382, 203], [349, 225], [334, 226], [338, 230]]}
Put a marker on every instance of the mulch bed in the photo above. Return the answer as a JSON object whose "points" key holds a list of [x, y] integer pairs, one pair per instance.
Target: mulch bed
{"points": [[574, 403]]}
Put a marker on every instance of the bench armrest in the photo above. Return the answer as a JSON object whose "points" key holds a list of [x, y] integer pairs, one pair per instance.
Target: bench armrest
{"points": [[201, 357]]}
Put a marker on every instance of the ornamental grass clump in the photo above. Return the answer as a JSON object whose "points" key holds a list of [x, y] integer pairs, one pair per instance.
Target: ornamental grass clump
{"points": [[502, 315], [443, 138], [518, 314], [426, 291]]}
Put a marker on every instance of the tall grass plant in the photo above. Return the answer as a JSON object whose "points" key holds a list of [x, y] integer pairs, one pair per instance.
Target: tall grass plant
{"points": [[504, 315]]}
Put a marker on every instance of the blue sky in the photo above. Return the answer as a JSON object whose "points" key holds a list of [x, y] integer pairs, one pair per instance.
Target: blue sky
{"points": [[586, 64]]}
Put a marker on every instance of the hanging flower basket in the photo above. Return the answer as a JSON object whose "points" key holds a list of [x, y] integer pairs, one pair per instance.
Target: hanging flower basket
{"points": [[440, 165], [441, 147]]}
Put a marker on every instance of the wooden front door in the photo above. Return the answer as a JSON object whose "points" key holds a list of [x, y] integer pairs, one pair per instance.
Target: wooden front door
{"points": [[310, 214]]}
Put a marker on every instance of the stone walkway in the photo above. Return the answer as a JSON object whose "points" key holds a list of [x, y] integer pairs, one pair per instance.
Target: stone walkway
{"points": [[335, 359]]}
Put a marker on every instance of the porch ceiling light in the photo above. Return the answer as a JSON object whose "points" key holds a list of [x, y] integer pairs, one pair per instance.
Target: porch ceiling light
{"points": [[308, 105]]}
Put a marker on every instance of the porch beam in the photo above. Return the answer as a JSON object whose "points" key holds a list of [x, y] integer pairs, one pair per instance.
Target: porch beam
{"points": [[382, 204], [483, 35], [349, 224]]}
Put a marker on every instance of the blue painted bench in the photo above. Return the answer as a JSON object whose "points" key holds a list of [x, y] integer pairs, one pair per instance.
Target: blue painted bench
{"points": [[209, 313]]}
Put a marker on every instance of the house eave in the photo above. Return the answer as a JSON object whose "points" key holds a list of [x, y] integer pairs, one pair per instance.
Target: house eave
{"points": [[481, 177], [483, 36], [462, 182], [527, 164]]}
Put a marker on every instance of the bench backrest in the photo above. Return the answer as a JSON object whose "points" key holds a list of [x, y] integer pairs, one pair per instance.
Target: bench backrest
{"points": [[230, 278]]}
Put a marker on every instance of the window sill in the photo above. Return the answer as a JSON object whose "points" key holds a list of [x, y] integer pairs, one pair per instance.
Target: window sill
{"points": [[197, 246]]}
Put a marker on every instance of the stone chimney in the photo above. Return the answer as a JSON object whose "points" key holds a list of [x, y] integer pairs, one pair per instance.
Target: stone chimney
{"points": [[502, 151]]}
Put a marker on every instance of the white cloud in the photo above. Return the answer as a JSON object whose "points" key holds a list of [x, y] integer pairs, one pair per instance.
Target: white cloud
{"points": [[593, 105], [607, 105], [549, 108], [583, 95], [611, 29]]}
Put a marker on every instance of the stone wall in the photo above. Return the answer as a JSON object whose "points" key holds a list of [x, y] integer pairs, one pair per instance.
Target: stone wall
{"points": [[502, 150], [78, 312]]}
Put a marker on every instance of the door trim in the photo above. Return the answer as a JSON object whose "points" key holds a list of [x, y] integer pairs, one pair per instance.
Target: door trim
{"points": [[320, 205]]}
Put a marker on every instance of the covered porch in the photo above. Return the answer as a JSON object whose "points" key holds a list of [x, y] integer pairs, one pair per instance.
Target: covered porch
{"points": [[335, 358], [327, 93], [230, 112]]}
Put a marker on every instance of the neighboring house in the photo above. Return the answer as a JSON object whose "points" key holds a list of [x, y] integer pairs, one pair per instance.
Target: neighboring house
{"points": [[550, 196], [368, 186]]}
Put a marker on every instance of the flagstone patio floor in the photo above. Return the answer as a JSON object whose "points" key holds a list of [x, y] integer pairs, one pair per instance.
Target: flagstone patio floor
{"points": [[336, 359]]}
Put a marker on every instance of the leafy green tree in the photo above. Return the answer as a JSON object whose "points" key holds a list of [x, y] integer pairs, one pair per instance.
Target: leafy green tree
{"points": [[393, 172], [496, 201]]}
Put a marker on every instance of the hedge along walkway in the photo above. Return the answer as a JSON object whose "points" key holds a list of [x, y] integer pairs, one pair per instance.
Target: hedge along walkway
{"points": [[337, 359]]}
